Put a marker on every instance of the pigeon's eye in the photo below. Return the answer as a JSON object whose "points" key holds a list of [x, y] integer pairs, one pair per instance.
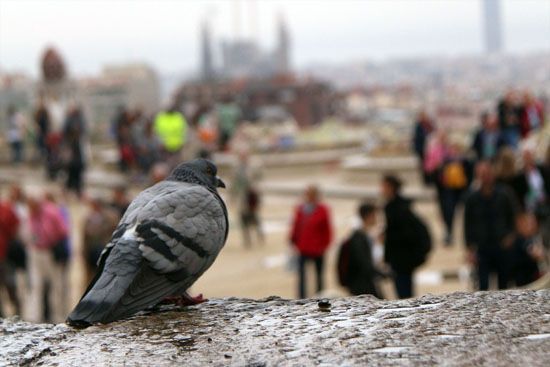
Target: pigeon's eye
{"points": [[209, 170]]}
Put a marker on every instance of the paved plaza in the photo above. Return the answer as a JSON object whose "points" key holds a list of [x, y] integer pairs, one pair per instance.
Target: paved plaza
{"points": [[266, 269]]}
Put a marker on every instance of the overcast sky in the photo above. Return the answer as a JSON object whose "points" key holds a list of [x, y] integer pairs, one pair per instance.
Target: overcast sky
{"points": [[165, 33]]}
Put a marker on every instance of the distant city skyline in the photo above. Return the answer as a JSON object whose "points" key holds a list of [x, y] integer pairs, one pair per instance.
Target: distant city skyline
{"points": [[166, 34]]}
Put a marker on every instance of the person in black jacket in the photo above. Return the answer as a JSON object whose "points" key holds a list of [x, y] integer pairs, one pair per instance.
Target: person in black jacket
{"points": [[454, 179], [362, 272], [489, 225], [399, 252], [42, 121], [422, 130], [74, 159]]}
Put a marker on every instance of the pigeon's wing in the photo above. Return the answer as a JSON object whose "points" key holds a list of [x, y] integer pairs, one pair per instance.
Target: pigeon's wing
{"points": [[163, 188], [166, 244]]}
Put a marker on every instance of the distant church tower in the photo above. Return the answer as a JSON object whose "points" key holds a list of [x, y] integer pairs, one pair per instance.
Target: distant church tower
{"points": [[493, 29], [283, 48], [207, 64]]}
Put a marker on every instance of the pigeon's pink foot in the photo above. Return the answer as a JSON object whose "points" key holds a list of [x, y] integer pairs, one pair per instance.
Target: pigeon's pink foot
{"points": [[194, 300], [184, 300]]}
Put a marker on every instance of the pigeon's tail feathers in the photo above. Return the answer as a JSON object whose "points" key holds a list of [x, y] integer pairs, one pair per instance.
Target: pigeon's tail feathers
{"points": [[147, 289], [97, 303], [126, 296], [107, 287]]}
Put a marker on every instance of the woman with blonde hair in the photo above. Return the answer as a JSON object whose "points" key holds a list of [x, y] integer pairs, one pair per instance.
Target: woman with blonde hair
{"points": [[507, 174]]}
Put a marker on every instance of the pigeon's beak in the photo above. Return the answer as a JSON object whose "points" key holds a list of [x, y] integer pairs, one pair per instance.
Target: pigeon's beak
{"points": [[220, 183]]}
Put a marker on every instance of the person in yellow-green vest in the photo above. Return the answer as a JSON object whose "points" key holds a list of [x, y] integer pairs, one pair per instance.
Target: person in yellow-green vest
{"points": [[171, 128]]}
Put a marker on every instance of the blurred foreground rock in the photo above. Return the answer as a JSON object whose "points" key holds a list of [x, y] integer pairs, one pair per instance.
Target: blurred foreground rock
{"points": [[492, 328]]}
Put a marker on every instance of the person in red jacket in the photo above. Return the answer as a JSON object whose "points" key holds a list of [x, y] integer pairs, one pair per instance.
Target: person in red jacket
{"points": [[311, 235], [531, 115], [8, 229]]}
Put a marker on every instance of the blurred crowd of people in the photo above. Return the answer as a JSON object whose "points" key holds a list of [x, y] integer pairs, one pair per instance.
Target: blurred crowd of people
{"points": [[505, 191], [36, 248], [34, 252], [405, 240], [60, 140], [143, 141]]}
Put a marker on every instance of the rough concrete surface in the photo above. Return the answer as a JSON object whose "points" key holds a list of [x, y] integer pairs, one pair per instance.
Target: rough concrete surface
{"points": [[461, 329]]}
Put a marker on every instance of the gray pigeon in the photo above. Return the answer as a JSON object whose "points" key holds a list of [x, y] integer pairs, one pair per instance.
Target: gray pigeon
{"points": [[170, 234]]}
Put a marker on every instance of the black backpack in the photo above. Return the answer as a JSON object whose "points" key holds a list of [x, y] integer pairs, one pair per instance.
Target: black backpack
{"points": [[420, 240], [343, 262]]}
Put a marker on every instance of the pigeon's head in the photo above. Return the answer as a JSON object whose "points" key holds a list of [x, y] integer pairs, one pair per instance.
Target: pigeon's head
{"points": [[199, 171]]}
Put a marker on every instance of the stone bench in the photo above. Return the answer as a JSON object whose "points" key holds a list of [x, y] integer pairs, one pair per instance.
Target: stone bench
{"points": [[340, 191], [289, 159], [509, 328], [372, 169]]}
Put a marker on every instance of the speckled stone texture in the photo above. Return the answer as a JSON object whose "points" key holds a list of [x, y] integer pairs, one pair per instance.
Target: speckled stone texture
{"points": [[462, 329]]}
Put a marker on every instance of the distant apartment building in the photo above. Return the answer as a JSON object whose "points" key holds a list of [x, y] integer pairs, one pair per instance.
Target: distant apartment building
{"points": [[15, 89], [492, 26], [134, 86]]}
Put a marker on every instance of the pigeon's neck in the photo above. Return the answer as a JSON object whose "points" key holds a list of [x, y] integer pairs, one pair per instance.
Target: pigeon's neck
{"points": [[187, 177]]}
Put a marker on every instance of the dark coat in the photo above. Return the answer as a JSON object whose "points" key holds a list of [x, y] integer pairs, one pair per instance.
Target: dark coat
{"points": [[361, 271], [479, 144], [488, 220], [398, 251], [517, 186], [545, 172], [421, 133], [524, 269], [508, 116]]}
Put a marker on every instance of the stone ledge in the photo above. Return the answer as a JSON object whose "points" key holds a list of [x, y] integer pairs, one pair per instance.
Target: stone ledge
{"points": [[462, 329]]}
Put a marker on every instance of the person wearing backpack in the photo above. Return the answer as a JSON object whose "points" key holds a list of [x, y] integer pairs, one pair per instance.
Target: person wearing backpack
{"points": [[407, 240], [454, 180], [356, 269]]}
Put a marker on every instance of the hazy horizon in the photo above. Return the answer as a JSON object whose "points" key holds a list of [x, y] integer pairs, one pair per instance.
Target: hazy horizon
{"points": [[165, 34]]}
